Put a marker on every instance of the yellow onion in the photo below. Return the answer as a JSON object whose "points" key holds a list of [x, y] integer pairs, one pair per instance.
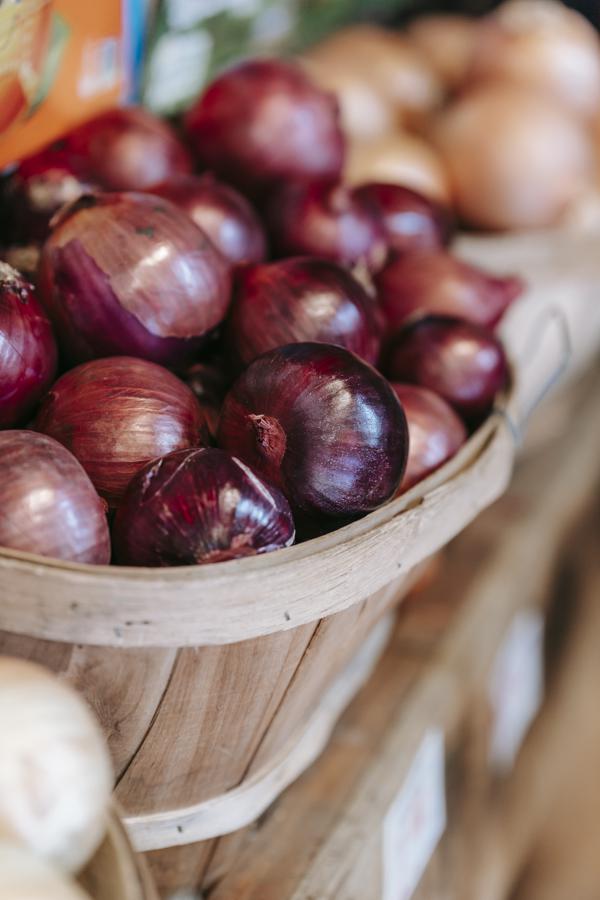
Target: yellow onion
{"points": [[515, 160], [24, 876], [544, 45], [447, 42], [387, 61], [399, 158], [55, 772]]}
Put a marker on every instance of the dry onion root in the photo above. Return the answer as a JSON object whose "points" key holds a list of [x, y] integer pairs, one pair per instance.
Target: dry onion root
{"points": [[24, 876], [514, 159], [541, 45], [447, 42], [55, 772]]}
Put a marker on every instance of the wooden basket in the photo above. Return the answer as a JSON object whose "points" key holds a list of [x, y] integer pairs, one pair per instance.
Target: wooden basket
{"points": [[116, 872], [205, 678]]}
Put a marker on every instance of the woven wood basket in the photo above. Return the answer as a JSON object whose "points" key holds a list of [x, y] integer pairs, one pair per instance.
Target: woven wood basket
{"points": [[207, 679], [116, 872]]}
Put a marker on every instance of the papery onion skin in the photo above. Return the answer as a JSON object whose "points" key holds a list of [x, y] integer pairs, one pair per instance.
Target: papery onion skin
{"points": [[24, 258], [447, 41], [322, 425], [463, 363], [27, 349], [302, 299], [437, 282], [262, 122], [48, 505], [37, 189], [130, 274], [411, 221], [199, 506], [129, 149], [221, 212], [116, 414], [326, 220], [435, 432]]}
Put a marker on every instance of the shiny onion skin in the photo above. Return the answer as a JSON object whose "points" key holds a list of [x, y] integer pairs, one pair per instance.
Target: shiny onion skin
{"points": [[302, 299], [129, 149], [116, 414], [27, 349], [130, 274], [437, 282], [435, 432], [262, 122], [37, 189], [221, 212], [48, 504], [411, 221], [326, 220], [199, 506], [322, 425], [463, 363]]}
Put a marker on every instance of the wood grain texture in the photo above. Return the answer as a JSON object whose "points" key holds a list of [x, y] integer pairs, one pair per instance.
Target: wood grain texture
{"points": [[116, 872]]}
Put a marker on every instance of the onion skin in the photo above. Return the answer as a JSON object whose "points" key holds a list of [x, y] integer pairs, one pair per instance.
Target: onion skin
{"points": [[435, 432], [27, 349], [262, 122], [129, 149], [438, 283], [48, 505], [327, 220], [514, 159], [411, 221], [117, 414], [447, 41], [322, 425], [463, 363], [153, 284], [24, 258], [222, 213], [298, 300], [199, 506]]}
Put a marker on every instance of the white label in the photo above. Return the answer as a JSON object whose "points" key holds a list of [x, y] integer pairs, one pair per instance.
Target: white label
{"points": [[100, 67], [177, 69], [516, 687], [415, 821]]}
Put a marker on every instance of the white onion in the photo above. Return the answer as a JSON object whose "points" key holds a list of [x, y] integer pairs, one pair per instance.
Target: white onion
{"points": [[447, 42], [399, 158], [515, 160], [24, 876], [55, 772], [542, 44]]}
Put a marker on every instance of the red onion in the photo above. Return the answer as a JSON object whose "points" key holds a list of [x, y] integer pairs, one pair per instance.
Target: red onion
{"points": [[411, 220], [327, 220], [221, 212], [27, 349], [199, 506], [38, 187], [297, 300], [129, 149], [209, 383], [322, 425], [49, 505], [435, 432], [462, 362], [438, 283], [116, 414], [131, 274], [262, 122]]}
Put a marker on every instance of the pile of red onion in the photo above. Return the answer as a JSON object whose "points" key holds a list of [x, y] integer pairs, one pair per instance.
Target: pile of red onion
{"points": [[220, 362]]}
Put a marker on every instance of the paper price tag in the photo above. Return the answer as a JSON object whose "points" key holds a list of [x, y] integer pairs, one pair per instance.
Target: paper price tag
{"points": [[516, 687], [415, 821]]}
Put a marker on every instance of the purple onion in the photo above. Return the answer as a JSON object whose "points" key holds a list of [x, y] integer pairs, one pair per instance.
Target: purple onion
{"points": [[411, 221]]}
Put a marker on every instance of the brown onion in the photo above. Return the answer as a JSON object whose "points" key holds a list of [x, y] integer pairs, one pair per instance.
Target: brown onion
{"points": [[447, 41], [128, 149], [199, 506], [116, 414], [48, 504], [221, 212], [437, 282], [435, 432], [515, 160], [262, 122], [541, 45], [131, 274]]}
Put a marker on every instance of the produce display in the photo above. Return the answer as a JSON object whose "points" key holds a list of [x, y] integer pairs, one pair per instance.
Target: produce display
{"points": [[251, 328]]}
